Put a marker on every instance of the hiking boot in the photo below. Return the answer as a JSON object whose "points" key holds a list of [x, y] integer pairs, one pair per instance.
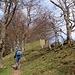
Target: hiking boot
{"points": [[16, 67]]}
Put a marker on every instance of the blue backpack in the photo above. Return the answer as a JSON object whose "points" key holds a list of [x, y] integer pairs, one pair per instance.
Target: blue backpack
{"points": [[19, 52]]}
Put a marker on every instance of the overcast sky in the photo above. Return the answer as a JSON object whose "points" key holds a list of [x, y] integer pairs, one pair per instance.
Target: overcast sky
{"points": [[47, 3], [1, 14]]}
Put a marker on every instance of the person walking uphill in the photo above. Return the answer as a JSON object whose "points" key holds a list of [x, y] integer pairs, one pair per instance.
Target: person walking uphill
{"points": [[17, 56]]}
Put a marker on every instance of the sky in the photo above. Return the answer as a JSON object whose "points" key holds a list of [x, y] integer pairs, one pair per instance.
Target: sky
{"points": [[48, 4], [45, 2], [1, 14], [52, 7]]}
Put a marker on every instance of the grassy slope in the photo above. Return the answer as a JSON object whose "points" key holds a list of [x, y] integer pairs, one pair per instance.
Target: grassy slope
{"points": [[7, 65], [59, 61]]}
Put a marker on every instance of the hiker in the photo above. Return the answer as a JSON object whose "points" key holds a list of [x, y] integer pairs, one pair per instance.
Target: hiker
{"points": [[18, 55]]}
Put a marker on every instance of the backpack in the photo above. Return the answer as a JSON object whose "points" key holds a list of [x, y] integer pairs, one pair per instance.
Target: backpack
{"points": [[19, 52]]}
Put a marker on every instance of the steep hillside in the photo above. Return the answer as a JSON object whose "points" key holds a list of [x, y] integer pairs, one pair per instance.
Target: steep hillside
{"points": [[59, 61], [7, 65]]}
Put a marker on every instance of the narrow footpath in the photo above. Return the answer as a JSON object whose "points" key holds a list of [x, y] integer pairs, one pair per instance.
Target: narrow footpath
{"points": [[16, 72]]}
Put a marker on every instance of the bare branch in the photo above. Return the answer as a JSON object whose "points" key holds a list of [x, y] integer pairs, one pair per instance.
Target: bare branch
{"points": [[13, 12], [62, 8]]}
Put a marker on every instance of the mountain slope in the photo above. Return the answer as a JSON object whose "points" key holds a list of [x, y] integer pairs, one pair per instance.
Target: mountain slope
{"points": [[58, 61]]}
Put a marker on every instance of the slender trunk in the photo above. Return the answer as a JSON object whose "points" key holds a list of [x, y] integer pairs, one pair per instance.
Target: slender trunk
{"points": [[50, 46], [2, 46], [23, 46], [14, 47], [20, 44], [0, 61], [17, 41], [0, 56], [11, 50], [66, 16], [56, 38], [69, 37], [25, 42], [46, 43], [2, 49]]}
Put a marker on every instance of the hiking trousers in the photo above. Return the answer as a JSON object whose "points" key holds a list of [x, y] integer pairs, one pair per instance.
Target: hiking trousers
{"points": [[17, 62]]}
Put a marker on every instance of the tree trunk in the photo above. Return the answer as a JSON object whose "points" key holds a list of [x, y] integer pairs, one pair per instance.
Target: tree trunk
{"points": [[2, 46], [66, 12], [56, 39], [11, 50], [2, 49], [14, 47], [0, 56], [0, 61], [50, 46], [69, 37], [66, 16], [23, 46]]}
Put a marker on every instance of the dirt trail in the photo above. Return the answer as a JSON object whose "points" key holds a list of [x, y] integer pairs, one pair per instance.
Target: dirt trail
{"points": [[16, 72]]}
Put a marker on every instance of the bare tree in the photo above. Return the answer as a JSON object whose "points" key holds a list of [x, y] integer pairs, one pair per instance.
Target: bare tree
{"points": [[65, 6], [9, 11]]}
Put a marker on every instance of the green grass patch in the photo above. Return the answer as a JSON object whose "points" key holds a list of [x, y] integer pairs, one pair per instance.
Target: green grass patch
{"points": [[46, 62], [7, 64], [59, 61]]}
